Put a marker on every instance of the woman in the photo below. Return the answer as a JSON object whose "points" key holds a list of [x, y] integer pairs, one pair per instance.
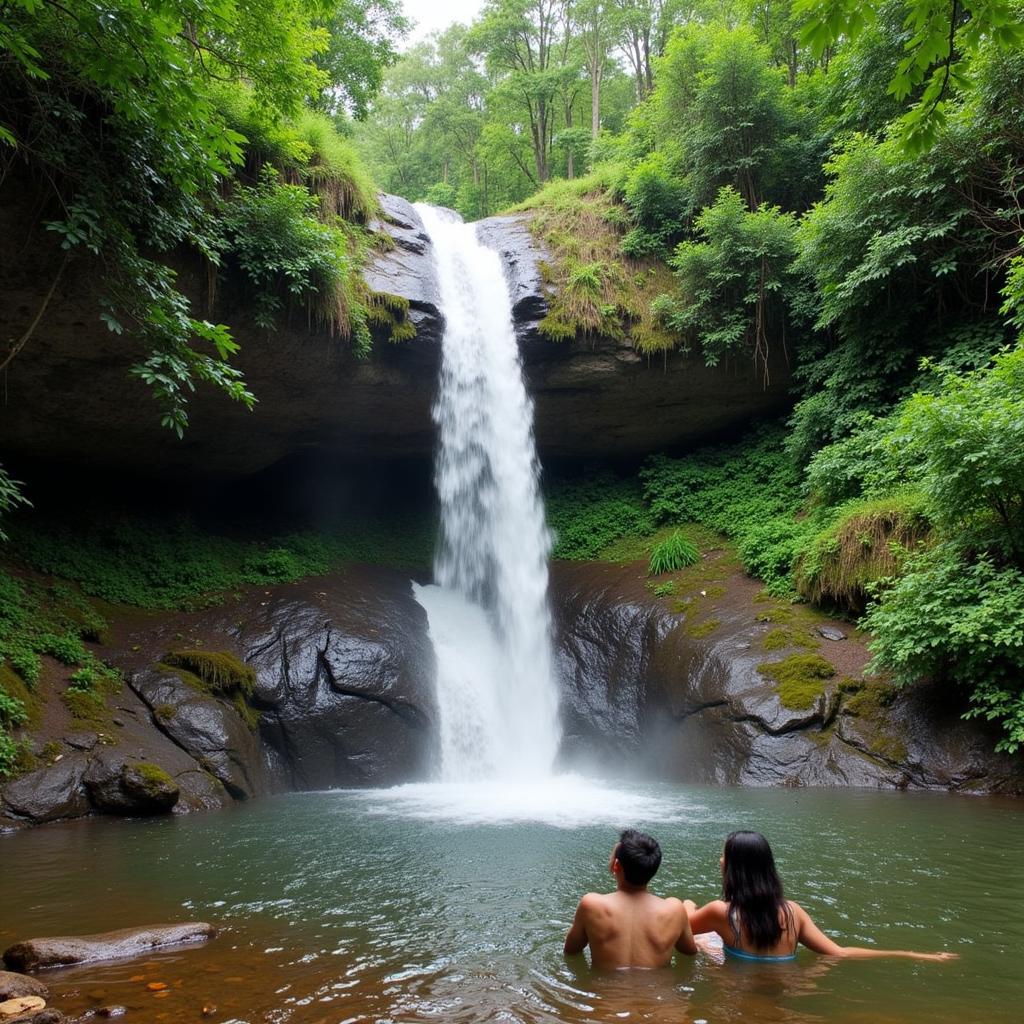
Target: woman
{"points": [[756, 922]]}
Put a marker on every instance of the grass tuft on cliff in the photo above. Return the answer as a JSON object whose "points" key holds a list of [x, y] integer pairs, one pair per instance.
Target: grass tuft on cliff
{"points": [[594, 290]]}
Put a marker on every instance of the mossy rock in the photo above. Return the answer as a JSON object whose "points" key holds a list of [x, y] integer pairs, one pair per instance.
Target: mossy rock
{"points": [[781, 637], [799, 679], [219, 671], [702, 629], [867, 699]]}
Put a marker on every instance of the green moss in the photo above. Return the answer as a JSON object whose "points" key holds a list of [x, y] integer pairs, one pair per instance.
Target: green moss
{"points": [[153, 776], [665, 589], [703, 629], [799, 679], [220, 671], [780, 638], [246, 712], [165, 712], [14, 686], [867, 699], [86, 707], [889, 748], [50, 750]]}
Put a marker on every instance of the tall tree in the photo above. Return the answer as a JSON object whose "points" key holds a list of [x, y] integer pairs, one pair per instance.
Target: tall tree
{"points": [[520, 38]]}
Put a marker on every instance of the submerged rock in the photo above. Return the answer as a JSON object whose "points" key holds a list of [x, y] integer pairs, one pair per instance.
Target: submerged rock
{"points": [[14, 986], [20, 1007], [125, 943]]}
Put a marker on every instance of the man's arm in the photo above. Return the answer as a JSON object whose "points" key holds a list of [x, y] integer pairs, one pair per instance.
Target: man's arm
{"points": [[576, 940], [685, 942]]}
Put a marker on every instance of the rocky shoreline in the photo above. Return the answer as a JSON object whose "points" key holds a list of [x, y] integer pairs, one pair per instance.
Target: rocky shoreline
{"points": [[329, 683]]}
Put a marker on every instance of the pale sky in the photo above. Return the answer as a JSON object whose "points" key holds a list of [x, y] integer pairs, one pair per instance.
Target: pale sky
{"points": [[430, 15]]}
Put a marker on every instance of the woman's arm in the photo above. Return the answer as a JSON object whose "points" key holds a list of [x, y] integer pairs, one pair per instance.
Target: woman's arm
{"points": [[712, 917], [815, 939]]}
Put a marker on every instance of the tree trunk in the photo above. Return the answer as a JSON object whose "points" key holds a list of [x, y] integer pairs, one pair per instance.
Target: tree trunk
{"points": [[595, 103]]}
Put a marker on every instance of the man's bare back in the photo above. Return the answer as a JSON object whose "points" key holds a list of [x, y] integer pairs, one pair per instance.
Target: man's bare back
{"points": [[631, 927]]}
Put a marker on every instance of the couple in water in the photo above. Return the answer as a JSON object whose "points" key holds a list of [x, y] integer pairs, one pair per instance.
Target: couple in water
{"points": [[632, 927]]}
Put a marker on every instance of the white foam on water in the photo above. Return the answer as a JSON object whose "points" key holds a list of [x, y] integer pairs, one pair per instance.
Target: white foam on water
{"points": [[562, 801]]}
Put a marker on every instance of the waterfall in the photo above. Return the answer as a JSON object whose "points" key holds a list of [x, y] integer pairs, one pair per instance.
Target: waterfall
{"points": [[487, 610]]}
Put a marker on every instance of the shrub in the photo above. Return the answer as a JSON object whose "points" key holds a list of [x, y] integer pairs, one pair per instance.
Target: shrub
{"points": [[672, 554], [868, 541], [288, 256], [954, 617]]}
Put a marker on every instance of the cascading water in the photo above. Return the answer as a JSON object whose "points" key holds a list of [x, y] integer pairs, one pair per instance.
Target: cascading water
{"points": [[487, 611]]}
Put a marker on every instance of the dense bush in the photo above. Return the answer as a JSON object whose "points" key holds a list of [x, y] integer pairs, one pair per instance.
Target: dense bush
{"points": [[289, 257], [951, 617]]}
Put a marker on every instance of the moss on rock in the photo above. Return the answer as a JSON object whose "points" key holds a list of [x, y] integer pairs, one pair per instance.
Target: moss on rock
{"points": [[219, 671], [799, 679]]}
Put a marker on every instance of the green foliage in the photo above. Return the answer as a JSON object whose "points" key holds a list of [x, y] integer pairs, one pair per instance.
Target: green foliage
{"points": [[11, 496], [737, 284], [968, 440], [289, 256], [672, 554], [588, 513], [659, 204], [749, 491], [174, 563], [943, 42], [117, 109], [954, 617], [799, 679]]}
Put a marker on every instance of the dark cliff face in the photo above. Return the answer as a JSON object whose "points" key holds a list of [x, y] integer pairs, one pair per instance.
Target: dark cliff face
{"points": [[68, 395]]}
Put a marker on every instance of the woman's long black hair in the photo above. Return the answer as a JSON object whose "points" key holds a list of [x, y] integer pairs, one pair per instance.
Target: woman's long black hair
{"points": [[752, 888]]}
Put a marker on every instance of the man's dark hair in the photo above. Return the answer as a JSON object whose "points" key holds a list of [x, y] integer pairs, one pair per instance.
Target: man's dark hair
{"points": [[639, 855]]}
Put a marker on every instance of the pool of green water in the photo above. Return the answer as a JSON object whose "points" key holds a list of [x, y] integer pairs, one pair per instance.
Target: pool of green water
{"points": [[450, 904]]}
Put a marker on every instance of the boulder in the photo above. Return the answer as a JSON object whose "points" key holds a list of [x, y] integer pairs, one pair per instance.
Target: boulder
{"points": [[56, 791], [407, 268], [640, 690], [210, 730], [61, 951], [522, 256], [117, 786], [14, 986], [345, 671]]}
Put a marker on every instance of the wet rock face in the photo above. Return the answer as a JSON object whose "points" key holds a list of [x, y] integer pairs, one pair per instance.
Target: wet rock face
{"points": [[346, 672], [640, 693], [344, 693]]}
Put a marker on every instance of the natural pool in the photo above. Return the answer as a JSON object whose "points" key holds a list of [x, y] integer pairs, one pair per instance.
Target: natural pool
{"points": [[443, 903]]}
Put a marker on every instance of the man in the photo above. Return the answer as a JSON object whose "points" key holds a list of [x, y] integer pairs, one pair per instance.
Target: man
{"points": [[631, 927]]}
